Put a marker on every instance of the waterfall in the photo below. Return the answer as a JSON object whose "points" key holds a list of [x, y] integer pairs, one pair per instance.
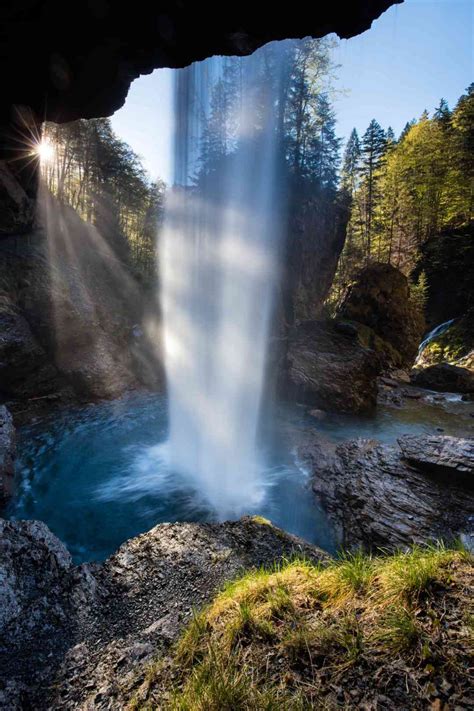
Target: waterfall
{"points": [[434, 333], [218, 264]]}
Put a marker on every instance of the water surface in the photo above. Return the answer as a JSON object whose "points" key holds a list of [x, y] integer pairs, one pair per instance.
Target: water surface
{"points": [[100, 474]]}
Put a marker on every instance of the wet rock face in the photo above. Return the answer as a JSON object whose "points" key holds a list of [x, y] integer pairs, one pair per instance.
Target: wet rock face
{"points": [[68, 63], [377, 495], [380, 299], [7, 456], [76, 637], [445, 378], [329, 368]]}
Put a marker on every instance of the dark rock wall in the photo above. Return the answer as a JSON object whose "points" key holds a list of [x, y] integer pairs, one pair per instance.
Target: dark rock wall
{"points": [[448, 262], [328, 367], [315, 242], [77, 61], [7, 456]]}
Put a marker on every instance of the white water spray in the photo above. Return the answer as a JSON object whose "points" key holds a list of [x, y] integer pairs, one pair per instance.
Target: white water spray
{"points": [[218, 259]]}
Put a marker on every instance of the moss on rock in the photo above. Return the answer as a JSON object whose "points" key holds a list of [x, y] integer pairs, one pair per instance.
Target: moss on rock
{"points": [[453, 345]]}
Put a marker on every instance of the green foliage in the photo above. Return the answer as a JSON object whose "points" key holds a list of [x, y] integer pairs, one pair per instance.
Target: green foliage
{"points": [[419, 291], [281, 639], [453, 344], [402, 192], [398, 630], [101, 178]]}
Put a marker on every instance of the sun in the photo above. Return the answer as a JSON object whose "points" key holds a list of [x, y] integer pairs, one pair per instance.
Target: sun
{"points": [[45, 150]]}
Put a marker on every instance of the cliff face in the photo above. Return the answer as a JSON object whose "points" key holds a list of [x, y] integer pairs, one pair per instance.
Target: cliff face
{"points": [[69, 313]]}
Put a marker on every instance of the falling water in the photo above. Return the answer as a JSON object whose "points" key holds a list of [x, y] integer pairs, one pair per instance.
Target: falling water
{"points": [[218, 260], [434, 333]]}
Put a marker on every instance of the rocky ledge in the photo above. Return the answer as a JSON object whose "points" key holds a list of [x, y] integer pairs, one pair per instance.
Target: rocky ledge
{"points": [[75, 636], [377, 495]]}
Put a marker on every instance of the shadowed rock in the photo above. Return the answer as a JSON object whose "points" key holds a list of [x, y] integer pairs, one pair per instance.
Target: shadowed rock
{"points": [[7, 456], [380, 300], [328, 367], [387, 496], [444, 378], [16, 209]]}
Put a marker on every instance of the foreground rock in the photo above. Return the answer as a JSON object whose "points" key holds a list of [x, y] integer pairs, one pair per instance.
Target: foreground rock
{"points": [[378, 495], [380, 300], [7, 456], [328, 367], [444, 378], [73, 637]]}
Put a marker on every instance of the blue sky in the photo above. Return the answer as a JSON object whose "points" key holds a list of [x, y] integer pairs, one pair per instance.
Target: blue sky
{"points": [[413, 55]]}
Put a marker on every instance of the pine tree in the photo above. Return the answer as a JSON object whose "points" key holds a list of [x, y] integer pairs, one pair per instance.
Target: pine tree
{"points": [[221, 124], [406, 129], [461, 189], [442, 114], [308, 114], [350, 167], [373, 148], [391, 141], [326, 148]]}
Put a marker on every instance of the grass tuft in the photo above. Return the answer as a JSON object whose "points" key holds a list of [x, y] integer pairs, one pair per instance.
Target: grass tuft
{"points": [[304, 636]]}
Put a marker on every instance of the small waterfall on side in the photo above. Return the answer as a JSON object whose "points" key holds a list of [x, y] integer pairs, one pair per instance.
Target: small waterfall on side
{"points": [[218, 260], [434, 333]]}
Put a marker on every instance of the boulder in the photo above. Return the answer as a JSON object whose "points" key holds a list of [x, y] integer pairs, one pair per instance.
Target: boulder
{"points": [[380, 299], [329, 368], [7, 455], [78, 637], [445, 378], [384, 496]]}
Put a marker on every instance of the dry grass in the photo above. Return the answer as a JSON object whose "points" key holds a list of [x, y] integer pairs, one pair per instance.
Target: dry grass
{"points": [[395, 627]]}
